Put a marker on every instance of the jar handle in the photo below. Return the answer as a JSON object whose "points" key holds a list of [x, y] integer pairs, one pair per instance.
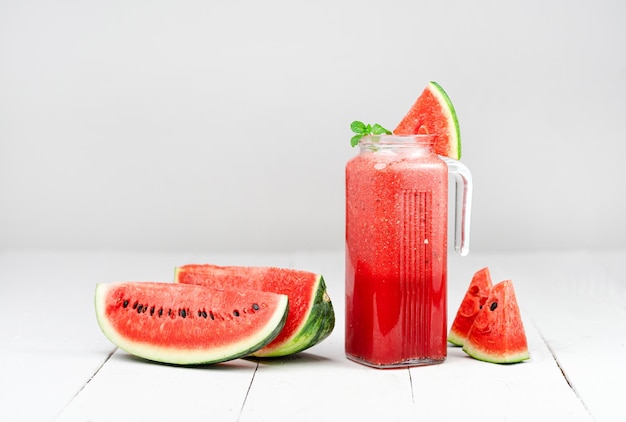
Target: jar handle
{"points": [[463, 206]]}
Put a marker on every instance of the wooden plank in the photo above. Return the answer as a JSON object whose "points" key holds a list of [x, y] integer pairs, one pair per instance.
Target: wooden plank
{"points": [[532, 390], [315, 386], [130, 389], [580, 301], [51, 344]]}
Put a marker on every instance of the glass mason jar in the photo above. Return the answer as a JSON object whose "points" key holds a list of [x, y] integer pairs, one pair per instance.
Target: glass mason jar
{"points": [[396, 249]]}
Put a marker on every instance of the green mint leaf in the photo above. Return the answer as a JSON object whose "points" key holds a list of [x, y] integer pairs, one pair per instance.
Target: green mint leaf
{"points": [[358, 127], [379, 130], [355, 140], [361, 130]]}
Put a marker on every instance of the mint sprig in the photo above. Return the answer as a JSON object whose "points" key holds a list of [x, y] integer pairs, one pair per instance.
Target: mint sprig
{"points": [[361, 129]]}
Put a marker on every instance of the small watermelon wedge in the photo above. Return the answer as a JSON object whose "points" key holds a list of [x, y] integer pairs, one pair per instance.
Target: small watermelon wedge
{"points": [[311, 317], [497, 334], [187, 324], [433, 113], [475, 297]]}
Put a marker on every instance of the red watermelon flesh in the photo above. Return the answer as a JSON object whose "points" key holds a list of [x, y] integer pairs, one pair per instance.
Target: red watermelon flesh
{"points": [[497, 334], [311, 316], [434, 113], [474, 298], [186, 324]]}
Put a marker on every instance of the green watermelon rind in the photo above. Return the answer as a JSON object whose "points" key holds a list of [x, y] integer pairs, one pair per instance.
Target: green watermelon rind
{"points": [[317, 326], [511, 357], [450, 113], [455, 339], [174, 356]]}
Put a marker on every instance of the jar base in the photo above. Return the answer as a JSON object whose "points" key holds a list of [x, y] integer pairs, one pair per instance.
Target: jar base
{"points": [[402, 364]]}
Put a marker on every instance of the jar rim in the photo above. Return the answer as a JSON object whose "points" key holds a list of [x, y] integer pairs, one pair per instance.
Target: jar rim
{"points": [[398, 140]]}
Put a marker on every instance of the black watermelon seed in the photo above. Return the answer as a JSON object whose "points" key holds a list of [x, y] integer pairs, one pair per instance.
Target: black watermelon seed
{"points": [[160, 312], [211, 315], [152, 311], [204, 314], [255, 306], [236, 312], [125, 304], [199, 312], [139, 309], [169, 312], [493, 306], [135, 304], [183, 313]]}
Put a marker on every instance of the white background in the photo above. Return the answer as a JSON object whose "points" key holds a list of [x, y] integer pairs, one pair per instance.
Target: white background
{"points": [[224, 125]]}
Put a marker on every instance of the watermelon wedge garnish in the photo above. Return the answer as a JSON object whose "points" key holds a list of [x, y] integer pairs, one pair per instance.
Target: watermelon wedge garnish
{"points": [[475, 297], [497, 334], [433, 113]]}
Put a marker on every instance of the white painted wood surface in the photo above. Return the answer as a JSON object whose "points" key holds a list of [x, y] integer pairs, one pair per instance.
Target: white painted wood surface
{"points": [[55, 364]]}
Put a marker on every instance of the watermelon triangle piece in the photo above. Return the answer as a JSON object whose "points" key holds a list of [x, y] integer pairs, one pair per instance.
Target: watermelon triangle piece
{"points": [[474, 298], [433, 113], [497, 334]]}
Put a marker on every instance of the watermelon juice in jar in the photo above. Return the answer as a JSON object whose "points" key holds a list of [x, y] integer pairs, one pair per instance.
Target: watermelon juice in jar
{"points": [[396, 250]]}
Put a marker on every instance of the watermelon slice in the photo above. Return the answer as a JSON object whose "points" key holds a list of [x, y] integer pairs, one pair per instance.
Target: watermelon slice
{"points": [[497, 334], [474, 298], [185, 324], [434, 113], [311, 316]]}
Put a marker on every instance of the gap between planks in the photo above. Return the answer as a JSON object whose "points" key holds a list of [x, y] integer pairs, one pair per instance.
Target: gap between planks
{"points": [[243, 404], [88, 381], [558, 364]]}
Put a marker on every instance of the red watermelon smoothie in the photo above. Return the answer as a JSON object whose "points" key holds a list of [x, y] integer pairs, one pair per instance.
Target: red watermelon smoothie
{"points": [[396, 252]]}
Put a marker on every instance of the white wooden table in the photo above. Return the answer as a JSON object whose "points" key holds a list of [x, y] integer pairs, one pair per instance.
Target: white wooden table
{"points": [[55, 364]]}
